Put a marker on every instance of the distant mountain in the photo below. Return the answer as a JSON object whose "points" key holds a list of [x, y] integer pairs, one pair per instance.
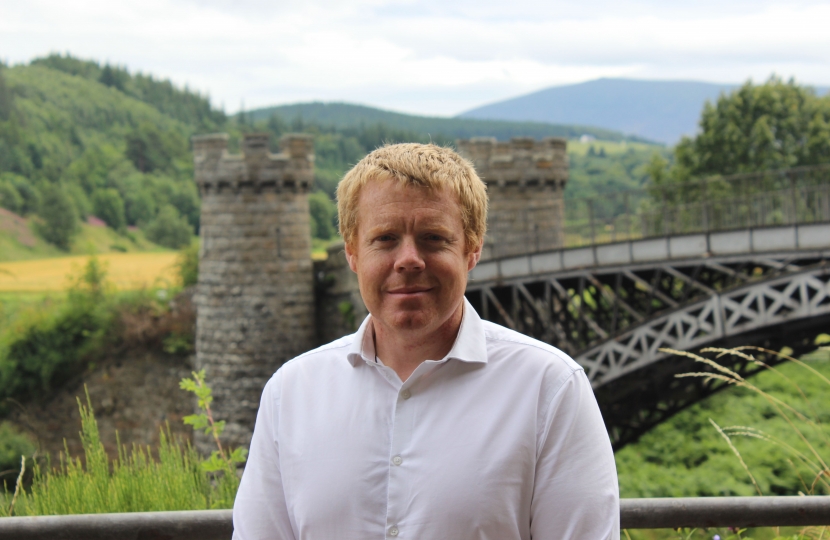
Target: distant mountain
{"points": [[345, 115], [657, 110]]}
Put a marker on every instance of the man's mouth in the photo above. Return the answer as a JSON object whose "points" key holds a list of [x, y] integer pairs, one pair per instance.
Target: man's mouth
{"points": [[409, 290]]}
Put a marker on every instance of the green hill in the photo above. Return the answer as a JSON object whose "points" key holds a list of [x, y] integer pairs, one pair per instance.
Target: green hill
{"points": [[346, 115], [77, 139]]}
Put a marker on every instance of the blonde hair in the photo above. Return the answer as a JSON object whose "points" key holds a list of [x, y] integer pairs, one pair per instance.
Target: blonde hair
{"points": [[426, 165]]}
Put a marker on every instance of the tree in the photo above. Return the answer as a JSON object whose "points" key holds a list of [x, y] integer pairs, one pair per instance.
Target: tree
{"points": [[114, 77], [169, 229], [60, 220], [29, 200], [150, 148], [108, 205], [5, 97], [10, 198], [758, 127], [323, 213], [140, 206]]}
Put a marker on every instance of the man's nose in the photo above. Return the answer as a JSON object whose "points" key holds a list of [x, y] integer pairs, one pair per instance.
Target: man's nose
{"points": [[409, 257]]}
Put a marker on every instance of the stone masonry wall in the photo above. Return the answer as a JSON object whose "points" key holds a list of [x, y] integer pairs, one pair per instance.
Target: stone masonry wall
{"points": [[525, 182], [255, 300]]}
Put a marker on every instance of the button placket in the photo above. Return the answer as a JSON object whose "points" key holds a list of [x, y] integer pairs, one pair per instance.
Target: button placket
{"points": [[399, 477]]}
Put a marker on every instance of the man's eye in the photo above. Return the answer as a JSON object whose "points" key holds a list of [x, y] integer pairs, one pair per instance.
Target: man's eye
{"points": [[435, 238], [385, 238]]}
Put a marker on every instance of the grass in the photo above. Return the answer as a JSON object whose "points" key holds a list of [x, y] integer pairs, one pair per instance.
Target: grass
{"points": [[778, 443], [90, 239], [172, 476], [124, 270]]}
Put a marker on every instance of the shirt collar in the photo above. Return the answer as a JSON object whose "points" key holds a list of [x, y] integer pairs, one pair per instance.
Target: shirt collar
{"points": [[470, 344]]}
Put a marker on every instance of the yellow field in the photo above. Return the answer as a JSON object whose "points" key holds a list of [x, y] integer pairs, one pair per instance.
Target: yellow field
{"points": [[124, 270]]}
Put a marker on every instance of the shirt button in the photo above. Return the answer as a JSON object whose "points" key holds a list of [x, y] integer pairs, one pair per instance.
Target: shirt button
{"points": [[393, 531], [397, 460], [406, 394]]}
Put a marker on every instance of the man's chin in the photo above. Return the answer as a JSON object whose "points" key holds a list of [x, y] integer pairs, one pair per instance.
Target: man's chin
{"points": [[408, 320]]}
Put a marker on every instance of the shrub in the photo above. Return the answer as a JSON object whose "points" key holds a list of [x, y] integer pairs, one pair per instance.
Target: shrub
{"points": [[109, 206], [13, 444], [169, 229], [45, 346], [188, 265], [323, 213], [10, 198], [136, 481], [60, 219]]}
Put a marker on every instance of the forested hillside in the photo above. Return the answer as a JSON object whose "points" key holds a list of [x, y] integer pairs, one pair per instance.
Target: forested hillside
{"points": [[74, 142], [346, 115], [81, 139]]}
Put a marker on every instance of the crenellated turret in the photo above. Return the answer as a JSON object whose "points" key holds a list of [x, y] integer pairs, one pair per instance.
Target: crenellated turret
{"points": [[525, 182], [255, 300]]}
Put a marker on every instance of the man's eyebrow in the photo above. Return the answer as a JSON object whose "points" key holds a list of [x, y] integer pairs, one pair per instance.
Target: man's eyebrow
{"points": [[426, 225]]}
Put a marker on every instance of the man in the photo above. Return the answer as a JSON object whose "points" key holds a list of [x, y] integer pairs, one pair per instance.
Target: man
{"points": [[428, 423]]}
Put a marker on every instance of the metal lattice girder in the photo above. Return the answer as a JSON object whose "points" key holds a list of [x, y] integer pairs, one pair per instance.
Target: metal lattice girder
{"points": [[771, 302], [614, 320]]}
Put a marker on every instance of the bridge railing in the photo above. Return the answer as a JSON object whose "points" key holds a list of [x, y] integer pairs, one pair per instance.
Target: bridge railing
{"points": [[669, 513], [782, 197]]}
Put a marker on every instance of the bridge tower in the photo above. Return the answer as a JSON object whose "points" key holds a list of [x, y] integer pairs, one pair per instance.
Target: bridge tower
{"points": [[255, 300], [526, 182]]}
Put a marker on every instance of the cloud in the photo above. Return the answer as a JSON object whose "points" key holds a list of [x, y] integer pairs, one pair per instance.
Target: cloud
{"points": [[429, 56]]}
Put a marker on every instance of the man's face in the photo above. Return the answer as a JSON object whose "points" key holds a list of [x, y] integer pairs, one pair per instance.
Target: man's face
{"points": [[409, 256]]}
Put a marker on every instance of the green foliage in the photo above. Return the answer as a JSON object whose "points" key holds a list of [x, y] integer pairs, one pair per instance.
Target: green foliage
{"points": [[5, 97], [597, 175], [60, 219], [687, 457], [10, 198], [187, 265], [169, 229], [13, 444], [134, 482], [129, 135], [109, 206], [774, 125], [323, 215], [346, 116], [346, 310], [730, 533], [182, 104], [140, 206], [150, 149], [221, 460], [41, 348]]}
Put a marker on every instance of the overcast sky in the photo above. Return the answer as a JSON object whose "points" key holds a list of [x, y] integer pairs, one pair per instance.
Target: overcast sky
{"points": [[437, 57]]}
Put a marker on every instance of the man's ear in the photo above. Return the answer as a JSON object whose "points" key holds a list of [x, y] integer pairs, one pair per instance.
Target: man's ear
{"points": [[351, 257], [474, 256]]}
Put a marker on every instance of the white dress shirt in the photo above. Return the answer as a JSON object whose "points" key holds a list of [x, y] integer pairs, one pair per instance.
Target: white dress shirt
{"points": [[501, 439]]}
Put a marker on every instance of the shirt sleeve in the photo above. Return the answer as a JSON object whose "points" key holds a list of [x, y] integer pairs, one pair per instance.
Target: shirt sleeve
{"points": [[575, 494], [260, 511]]}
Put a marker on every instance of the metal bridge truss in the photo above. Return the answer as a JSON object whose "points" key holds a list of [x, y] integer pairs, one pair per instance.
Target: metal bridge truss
{"points": [[613, 321]]}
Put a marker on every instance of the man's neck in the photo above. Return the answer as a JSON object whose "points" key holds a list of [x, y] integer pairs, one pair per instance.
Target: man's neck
{"points": [[404, 350]]}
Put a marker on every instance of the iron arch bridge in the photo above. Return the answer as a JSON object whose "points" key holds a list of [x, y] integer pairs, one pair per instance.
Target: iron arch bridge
{"points": [[614, 306]]}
